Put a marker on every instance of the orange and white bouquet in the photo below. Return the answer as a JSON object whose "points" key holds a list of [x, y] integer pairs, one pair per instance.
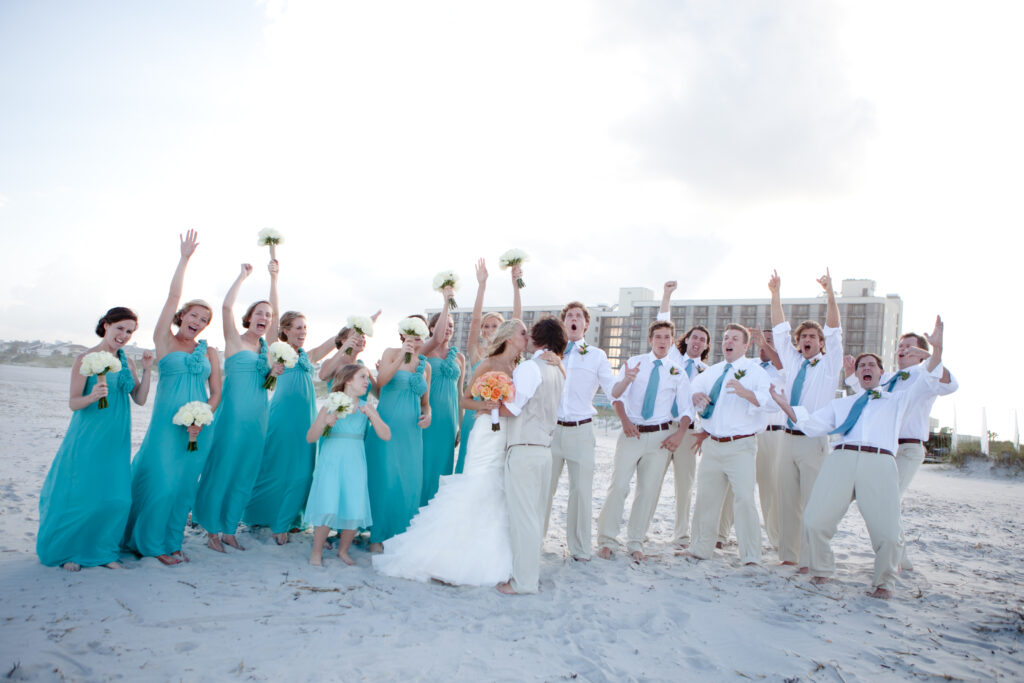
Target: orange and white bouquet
{"points": [[99, 363], [494, 386], [193, 413]]}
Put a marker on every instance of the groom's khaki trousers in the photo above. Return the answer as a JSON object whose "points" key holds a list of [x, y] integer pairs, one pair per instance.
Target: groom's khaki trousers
{"points": [[574, 447], [527, 477]]}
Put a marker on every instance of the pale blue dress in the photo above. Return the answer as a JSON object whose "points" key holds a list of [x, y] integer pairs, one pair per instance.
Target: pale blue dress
{"points": [[164, 474], [87, 494], [237, 449], [339, 497]]}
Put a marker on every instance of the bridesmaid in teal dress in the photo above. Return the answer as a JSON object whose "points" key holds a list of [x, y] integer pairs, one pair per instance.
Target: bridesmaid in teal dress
{"points": [[481, 330], [339, 498], [349, 345], [395, 468], [286, 469], [446, 368], [164, 474], [241, 420], [86, 496]]}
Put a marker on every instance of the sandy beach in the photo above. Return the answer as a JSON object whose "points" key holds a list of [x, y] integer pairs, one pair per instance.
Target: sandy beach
{"points": [[265, 614]]}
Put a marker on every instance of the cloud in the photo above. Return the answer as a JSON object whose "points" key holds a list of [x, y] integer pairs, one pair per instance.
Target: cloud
{"points": [[746, 101]]}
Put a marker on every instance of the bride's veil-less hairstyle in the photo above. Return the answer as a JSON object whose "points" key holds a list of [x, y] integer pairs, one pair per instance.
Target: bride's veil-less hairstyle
{"points": [[505, 331]]}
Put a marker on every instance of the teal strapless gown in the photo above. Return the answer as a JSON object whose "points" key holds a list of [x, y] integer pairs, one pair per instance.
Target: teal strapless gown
{"points": [[87, 494], [338, 497], [394, 468], [467, 426], [439, 437], [164, 474], [286, 472], [237, 449]]}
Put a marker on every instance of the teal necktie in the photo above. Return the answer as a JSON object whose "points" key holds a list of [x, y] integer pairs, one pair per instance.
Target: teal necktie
{"points": [[652, 391], [689, 368], [855, 411], [568, 349], [798, 388], [765, 364], [715, 391], [892, 382]]}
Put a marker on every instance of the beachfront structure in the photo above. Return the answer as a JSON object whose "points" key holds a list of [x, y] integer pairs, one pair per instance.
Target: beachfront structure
{"points": [[870, 323]]}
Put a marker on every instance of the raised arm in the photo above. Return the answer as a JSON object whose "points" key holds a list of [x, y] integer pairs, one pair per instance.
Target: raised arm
{"points": [[232, 340], [774, 284], [666, 296], [140, 392], [162, 332], [437, 338], [473, 344], [517, 299], [275, 321], [935, 339], [759, 339], [317, 353], [390, 362], [832, 311]]}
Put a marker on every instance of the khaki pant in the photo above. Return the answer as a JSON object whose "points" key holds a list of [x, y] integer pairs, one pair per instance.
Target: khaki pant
{"points": [[649, 460], [909, 457], [574, 447], [684, 472], [871, 479], [527, 473], [768, 446], [725, 464], [799, 461]]}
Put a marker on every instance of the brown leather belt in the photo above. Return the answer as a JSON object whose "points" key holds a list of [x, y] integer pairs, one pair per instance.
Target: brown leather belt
{"points": [[725, 439], [794, 432], [774, 428], [863, 449], [903, 441], [575, 424], [644, 429]]}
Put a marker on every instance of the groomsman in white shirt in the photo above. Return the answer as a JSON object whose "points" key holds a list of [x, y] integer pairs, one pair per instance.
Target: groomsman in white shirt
{"points": [[862, 463], [690, 352], [573, 444], [643, 397], [730, 398], [769, 442], [812, 370], [915, 430]]}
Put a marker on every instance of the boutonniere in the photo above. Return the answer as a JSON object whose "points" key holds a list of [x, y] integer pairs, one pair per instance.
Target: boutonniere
{"points": [[700, 370], [740, 374], [903, 374], [673, 370], [875, 394], [583, 348], [815, 362]]}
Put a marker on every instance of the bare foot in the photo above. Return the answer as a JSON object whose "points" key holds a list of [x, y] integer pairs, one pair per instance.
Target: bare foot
{"points": [[604, 552], [114, 565], [719, 545], [750, 564], [577, 558], [168, 559], [71, 567], [818, 580], [881, 594], [375, 548], [788, 563], [346, 559], [182, 557], [316, 560], [803, 570], [637, 556], [232, 541], [213, 543], [281, 538], [506, 588]]}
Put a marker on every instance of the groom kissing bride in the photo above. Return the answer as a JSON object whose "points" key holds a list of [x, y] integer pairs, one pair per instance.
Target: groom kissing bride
{"points": [[532, 416]]}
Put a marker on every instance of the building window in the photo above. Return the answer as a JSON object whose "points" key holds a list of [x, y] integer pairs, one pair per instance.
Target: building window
{"points": [[801, 311], [725, 311]]}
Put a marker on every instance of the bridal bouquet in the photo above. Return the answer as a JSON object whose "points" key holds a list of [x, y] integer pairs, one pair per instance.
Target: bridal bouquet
{"points": [[447, 278], [362, 325], [269, 237], [341, 403], [412, 327], [494, 386], [99, 363], [280, 352], [513, 257], [193, 413]]}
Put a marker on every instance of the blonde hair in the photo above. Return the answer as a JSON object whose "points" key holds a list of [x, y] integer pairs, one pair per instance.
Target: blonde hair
{"points": [[505, 331], [176, 321]]}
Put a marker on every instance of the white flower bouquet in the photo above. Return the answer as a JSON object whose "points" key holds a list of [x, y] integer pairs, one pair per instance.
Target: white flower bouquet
{"points": [[99, 363], [341, 403], [514, 257], [279, 352], [269, 237], [362, 325], [412, 327], [447, 278], [193, 413]]}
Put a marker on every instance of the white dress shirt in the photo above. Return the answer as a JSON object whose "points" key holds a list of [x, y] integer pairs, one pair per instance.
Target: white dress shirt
{"points": [[915, 422], [734, 415], [526, 378], [880, 423], [822, 377], [586, 368], [778, 380], [673, 387]]}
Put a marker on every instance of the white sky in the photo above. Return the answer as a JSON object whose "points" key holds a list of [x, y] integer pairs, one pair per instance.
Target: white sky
{"points": [[620, 144]]}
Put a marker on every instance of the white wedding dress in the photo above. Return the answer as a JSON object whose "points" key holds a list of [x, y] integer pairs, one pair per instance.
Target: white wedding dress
{"points": [[461, 536]]}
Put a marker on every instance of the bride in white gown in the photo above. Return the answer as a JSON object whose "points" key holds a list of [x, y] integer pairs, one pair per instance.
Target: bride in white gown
{"points": [[462, 536]]}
